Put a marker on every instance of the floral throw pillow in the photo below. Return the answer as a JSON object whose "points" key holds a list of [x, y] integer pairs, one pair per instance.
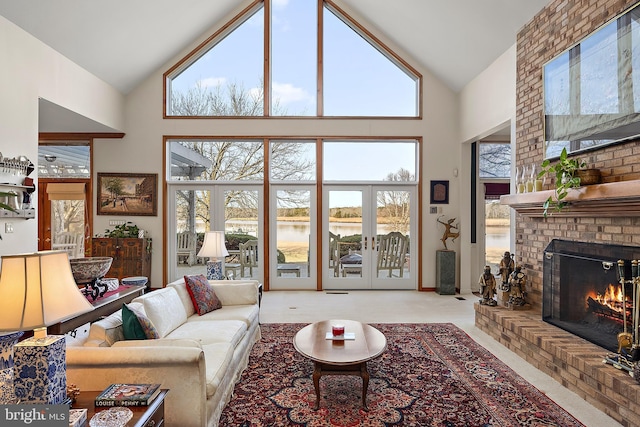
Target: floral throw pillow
{"points": [[137, 326], [202, 294]]}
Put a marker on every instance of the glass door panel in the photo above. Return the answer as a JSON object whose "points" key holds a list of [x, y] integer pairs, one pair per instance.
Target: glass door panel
{"points": [[242, 226], [293, 239], [346, 264], [393, 213], [68, 226], [192, 218]]}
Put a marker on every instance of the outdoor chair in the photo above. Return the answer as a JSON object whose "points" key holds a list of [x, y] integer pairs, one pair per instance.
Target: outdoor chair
{"points": [[70, 242], [392, 253], [248, 257], [187, 247], [334, 253]]}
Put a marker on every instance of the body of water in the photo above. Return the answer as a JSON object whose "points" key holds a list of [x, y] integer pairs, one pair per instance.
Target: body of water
{"points": [[292, 231], [497, 237]]}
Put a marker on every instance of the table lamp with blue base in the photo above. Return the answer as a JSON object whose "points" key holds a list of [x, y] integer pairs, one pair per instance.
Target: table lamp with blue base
{"points": [[214, 248], [7, 392], [38, 290]]}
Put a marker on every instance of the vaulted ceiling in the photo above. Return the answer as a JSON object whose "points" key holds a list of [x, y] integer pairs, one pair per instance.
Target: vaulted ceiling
{"points": [[123, 41]]}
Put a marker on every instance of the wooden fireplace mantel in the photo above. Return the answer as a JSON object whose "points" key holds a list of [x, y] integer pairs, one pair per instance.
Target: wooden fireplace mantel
{"points": [[609, 199]]}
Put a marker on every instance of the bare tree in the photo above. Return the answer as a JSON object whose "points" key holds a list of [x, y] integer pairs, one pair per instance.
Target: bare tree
{"points": [[235, 160], [69, 215], [231, 100], [495, 160], [394, 205]]}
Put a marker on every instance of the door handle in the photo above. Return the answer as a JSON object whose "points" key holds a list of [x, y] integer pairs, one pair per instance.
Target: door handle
{"points": [[373, 243], [365, 243]]}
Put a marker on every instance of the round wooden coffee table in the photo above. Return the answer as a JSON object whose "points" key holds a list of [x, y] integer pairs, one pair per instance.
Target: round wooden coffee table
{"points": [[340, 357]]}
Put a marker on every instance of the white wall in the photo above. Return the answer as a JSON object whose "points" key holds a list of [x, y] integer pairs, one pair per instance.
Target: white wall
{"points": [[30, 70], [487, 103], [145, 128], [489, 100]]}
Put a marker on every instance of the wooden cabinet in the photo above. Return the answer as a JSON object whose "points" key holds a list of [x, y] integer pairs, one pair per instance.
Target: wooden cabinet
{"points": [[131, 256]]}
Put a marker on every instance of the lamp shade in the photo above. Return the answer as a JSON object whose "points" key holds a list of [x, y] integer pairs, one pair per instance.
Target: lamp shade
{"points": [[213, 245], [37, 290]]}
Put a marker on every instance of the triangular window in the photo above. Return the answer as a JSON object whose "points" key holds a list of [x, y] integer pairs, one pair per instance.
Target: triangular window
{"points": [[229, 75], [362, 78], [224, 77]]}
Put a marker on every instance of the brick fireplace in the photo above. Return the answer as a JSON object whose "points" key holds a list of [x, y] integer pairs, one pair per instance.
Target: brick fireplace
{"points": [[604, 214]]}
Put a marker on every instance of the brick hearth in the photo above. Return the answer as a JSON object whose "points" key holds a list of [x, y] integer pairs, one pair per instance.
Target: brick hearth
{"points": [[576, 363]]}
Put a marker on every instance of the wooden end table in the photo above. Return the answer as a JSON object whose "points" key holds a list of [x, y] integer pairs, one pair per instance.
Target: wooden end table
{"points": [[143, 416], [340, 357]]}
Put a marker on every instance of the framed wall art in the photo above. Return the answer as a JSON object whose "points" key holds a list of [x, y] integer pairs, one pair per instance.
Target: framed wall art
{"points": [[439, 192], [127, 194]]}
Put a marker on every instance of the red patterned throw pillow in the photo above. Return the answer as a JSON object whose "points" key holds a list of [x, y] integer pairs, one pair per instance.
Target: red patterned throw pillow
{"points": [[202, 294]]}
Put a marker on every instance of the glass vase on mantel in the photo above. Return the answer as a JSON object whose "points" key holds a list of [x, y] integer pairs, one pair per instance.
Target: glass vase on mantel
{"points": [[7, 393], [520, 181]]}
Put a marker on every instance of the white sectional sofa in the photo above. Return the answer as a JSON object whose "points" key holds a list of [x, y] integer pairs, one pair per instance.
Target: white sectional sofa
{"points": [[198, 358]]}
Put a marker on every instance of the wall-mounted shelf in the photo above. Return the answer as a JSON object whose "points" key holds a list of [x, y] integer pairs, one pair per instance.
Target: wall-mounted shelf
{"points": [[609, 199], [19, 213]]}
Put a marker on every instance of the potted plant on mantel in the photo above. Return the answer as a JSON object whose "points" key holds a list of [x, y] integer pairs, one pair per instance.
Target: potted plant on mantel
{"points": [[568, 173]]}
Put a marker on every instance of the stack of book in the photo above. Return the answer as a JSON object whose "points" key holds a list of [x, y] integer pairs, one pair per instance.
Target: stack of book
{"points": [[128, 395]]}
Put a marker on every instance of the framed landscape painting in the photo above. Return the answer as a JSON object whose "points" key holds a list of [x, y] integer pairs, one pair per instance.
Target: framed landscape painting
{"points": [[127, 194]]}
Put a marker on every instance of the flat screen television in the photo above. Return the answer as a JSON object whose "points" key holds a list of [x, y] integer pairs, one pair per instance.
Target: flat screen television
{"points": [[592, 90]]}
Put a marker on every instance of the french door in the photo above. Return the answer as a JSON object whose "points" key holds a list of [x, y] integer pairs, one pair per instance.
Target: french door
{"points": [[367, 232], [235, 209]]}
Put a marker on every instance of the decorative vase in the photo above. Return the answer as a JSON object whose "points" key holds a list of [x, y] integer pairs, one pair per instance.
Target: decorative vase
{"points": [[7, 393]]}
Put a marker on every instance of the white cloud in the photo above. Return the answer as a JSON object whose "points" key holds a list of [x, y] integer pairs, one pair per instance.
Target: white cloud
{"points": [[280, 3], [288, 93], [255, 92], [213, 81]]}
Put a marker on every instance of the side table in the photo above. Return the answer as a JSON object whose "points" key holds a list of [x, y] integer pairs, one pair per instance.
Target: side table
{"points": [[143, 416]]}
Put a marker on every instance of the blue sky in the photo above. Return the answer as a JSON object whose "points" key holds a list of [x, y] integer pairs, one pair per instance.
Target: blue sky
{"points": [[358, 79]]}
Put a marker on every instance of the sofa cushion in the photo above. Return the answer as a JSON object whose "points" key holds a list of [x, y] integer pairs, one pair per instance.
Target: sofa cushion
{"points": [[229, 331], [164, 308], [236, 292], [247, 313], [183, 293], [202, 294], [137, 326]]}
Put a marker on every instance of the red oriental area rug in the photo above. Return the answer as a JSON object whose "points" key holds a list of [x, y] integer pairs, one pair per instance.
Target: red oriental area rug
{"points": [[430, 375]]}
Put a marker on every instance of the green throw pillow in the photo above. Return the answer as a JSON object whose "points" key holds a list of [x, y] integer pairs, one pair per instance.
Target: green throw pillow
{"points": [[137, 326]]}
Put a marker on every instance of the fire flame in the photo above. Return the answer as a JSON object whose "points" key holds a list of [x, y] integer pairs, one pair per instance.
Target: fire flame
{"points": [[612, 297]]}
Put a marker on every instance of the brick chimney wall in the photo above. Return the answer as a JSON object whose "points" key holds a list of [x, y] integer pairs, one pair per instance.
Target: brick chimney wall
{"points": [[559, 26]]}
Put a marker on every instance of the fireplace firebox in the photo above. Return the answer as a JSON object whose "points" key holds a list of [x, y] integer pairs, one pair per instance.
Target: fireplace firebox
{"points": [[582, 293]]}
